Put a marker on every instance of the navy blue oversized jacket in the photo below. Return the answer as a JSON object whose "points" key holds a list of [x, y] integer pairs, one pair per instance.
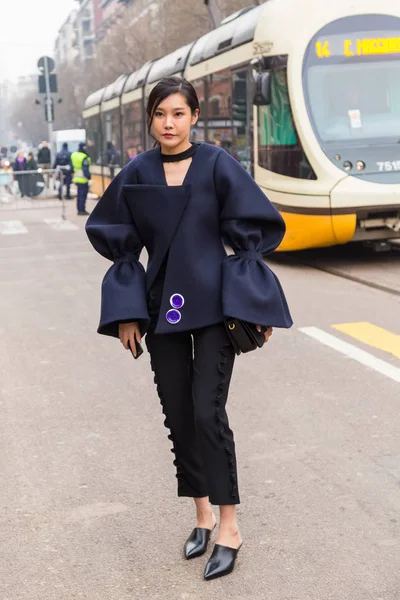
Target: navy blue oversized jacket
{"points": [[217, 202]]}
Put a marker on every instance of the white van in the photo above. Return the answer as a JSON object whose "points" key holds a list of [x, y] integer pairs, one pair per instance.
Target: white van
{"points": [[73, 137]]}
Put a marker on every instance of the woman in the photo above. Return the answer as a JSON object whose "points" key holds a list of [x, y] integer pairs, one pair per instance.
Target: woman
{"points": [[178, 200], [32, 178], [19, 166]]}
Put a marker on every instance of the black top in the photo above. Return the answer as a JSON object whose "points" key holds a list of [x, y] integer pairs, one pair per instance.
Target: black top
{"points": [[157, 287], [44, 156], [181, 156]]}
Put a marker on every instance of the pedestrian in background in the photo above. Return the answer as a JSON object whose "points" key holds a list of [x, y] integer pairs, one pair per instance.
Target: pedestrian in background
{"points": [[64, 163], [31, 179], [177, 200], [44, 160], [81, 167], [19, 167], [112, 158]]}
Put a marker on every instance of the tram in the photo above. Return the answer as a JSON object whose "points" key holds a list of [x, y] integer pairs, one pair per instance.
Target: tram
{"points": [[305, 95]]}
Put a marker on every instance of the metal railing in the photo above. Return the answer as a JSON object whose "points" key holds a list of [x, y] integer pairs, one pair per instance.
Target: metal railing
{"points": [[42, 188]]}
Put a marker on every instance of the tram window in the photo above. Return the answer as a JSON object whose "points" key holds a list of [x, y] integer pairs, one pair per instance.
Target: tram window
{"points": [[337, 91], [132, 130], [93, 138], [242, 112], [198, 130], [219, 125], [111, 138], [279, 148]]}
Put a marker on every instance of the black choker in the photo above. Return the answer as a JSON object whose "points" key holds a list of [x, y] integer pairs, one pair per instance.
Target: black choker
{"points": [[181, 156]]}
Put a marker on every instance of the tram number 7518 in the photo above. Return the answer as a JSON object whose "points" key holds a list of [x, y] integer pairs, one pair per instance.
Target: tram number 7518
{"points": [[389, 165]]}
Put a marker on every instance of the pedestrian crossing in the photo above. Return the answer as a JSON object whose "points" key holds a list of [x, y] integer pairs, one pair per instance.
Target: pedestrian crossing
{"points": [[17, 227], [61, 224], [7, 203], [12, 228], [369, 335]]}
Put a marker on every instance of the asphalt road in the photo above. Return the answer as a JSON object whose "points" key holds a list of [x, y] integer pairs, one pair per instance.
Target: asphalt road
{"points": [[88, 506]]}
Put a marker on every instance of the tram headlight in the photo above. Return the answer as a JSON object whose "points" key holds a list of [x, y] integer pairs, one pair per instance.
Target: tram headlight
{"points": [[347, 165], [360, 165]]}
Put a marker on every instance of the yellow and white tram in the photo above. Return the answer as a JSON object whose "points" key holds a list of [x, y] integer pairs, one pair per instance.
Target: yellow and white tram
{"points": [[306, 95]]}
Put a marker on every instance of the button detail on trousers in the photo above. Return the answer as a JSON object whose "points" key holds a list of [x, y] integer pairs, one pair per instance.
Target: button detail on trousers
{"points": [[177, 301], [173, 316]]}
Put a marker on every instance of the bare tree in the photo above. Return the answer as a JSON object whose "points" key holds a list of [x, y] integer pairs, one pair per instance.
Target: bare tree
{"points": [[27, 119], [182, 22], [68, 113], [228, 7]]}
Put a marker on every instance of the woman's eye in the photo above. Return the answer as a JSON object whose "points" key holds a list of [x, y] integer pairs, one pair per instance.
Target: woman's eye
{"points": [[158, 114], [179, 114]]}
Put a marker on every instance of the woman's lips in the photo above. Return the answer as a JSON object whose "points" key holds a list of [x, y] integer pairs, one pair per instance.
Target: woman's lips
{"points": [[169, 135]]}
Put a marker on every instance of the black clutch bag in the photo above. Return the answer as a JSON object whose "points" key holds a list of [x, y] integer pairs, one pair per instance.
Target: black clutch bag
{"points": [[244, 336]]}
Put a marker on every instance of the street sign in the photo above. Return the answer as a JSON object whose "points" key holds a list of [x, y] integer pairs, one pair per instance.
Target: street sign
{"points": [[52, 84], [42, 64]]}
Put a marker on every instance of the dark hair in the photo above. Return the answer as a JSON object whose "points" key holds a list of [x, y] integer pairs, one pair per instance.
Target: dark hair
{"points": [[166, 87]]}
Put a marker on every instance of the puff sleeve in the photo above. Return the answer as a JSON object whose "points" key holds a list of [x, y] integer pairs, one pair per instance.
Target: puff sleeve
{"points": [[253, 228], [112, 233]]}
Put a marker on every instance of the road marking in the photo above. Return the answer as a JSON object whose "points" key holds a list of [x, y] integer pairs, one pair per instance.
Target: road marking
{"points": [[365, 358], [38, 203], [12, 228], [60, 224], [373, 336]]}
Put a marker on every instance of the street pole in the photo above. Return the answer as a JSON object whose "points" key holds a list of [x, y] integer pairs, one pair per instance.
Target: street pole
{"points": [[48, 106], [214, 13]]}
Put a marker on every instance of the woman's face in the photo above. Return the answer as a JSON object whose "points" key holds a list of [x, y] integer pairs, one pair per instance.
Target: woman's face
{"points": [[172, 121]]}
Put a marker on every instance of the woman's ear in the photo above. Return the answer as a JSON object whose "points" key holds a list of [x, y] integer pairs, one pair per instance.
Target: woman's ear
{"points": [[195, 116]]}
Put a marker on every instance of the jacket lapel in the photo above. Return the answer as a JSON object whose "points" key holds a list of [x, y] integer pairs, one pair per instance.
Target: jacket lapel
{"points": [[157, 211]]}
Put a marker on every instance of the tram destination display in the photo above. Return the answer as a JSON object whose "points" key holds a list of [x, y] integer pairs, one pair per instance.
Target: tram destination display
{"points": [[358, 44]]}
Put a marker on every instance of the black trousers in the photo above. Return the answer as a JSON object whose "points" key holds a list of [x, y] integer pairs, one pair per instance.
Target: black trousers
{"points": [[192, 373]]}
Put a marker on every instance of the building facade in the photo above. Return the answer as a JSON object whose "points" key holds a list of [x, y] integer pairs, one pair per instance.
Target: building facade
{"points": [[85, 28], [76, 40], [65, 50]]}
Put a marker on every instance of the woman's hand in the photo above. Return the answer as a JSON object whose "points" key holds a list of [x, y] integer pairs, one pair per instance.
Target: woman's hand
{"points": [[267, 333], [128, 334]]}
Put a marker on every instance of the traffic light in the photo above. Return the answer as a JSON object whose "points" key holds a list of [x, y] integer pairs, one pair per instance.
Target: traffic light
{"points": [[46, 116]]}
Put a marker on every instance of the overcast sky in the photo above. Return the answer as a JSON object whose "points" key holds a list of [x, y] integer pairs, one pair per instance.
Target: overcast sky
{"points": [[28, 29]]}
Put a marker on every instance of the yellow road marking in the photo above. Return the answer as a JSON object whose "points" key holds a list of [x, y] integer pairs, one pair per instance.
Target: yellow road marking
{"points": [[373, 336]]}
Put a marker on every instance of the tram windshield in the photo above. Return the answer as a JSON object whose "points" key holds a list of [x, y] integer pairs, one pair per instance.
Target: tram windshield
{"points": [[351, 77], [359, 102]]}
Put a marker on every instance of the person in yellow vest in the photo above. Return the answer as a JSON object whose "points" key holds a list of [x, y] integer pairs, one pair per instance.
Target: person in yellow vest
{"points": [[81, 166]]}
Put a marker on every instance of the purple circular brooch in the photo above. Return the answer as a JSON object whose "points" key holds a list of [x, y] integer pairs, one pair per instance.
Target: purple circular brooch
{"points": [[177, 301], [173, 316]]}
